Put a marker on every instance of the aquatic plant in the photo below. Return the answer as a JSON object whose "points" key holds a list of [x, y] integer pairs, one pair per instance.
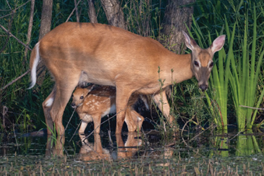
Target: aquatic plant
{"points": [[236, 75], [245, 73], [218, 89]]}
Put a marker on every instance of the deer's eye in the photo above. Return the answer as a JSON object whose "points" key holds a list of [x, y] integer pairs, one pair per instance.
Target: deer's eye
{"points": [[211, 64], [196, 63], [81, 97]]}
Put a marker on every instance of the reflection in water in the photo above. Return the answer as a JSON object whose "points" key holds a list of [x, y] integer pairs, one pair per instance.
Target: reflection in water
{"points": [[96, 156], [95, 151], [223, 144], [130, 147], [247, 144]]}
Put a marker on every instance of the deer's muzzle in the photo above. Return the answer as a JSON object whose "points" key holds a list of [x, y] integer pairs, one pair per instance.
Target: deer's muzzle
{"points": [[204, 74], [203, 87], [73, 105]]}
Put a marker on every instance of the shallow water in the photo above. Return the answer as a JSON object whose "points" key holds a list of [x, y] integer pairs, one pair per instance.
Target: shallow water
{"points": [[37, 153]]}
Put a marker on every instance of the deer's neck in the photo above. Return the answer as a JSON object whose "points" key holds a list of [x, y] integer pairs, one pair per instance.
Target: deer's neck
{"points": [[176, 68]]}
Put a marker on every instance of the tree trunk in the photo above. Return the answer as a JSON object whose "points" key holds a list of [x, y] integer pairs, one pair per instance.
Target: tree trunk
{"points": [[45, 26], [146, 19], [76, 11], [177, 15], [114, 13], [46, 15], [91, 12], [30, 25]]}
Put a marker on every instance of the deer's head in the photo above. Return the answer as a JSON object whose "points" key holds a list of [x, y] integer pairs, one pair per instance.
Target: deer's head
{"points": [[79, 95], [202, 59]]}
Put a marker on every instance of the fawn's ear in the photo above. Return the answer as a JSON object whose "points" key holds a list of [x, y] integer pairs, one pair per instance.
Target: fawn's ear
{"points": [[218, 43], [189, 42]]}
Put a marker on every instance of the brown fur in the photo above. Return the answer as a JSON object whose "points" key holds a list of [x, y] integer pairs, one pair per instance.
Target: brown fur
{"points": [[204, 57], [96, 102], [110, 56]]}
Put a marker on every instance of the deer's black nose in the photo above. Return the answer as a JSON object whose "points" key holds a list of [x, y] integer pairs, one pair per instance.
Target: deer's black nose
{"points": [[203, 87], [73, 105]]}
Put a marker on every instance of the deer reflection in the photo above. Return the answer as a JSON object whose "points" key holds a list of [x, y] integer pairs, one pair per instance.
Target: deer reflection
{"points": [[95, 151], [130, 147]]}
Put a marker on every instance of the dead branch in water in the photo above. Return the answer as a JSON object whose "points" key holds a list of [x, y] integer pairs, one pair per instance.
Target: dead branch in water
{"points": [[251, 107]]}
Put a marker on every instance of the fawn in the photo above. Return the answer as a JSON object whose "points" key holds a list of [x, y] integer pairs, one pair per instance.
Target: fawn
{"points": [[94, 102]]}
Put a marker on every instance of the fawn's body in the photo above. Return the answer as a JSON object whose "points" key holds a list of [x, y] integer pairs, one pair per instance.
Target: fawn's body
{"points": [[94, 102]]}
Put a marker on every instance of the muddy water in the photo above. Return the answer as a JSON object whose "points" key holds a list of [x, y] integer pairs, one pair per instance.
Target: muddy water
{"points": [[36, 152]]}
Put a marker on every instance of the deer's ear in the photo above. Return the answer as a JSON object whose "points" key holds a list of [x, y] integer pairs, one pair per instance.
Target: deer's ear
{"points": [[189, 42], [218, 43]]}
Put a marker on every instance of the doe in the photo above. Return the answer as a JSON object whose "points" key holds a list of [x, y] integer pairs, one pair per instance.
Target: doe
{"points": [[114, 57]]}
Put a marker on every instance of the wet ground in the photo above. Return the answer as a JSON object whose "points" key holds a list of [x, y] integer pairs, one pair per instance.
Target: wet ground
{"points": [[206, 152]]}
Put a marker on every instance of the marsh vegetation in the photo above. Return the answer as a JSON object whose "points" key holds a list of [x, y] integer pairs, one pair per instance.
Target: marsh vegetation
{"points": [[232, 104]]}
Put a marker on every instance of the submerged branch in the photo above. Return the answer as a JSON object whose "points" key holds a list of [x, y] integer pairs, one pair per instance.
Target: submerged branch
{"points": [[251, 107]]}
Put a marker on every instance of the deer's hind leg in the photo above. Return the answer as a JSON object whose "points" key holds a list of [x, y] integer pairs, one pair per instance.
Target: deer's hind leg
{"points": [[46, 105], [162, 102], [129, 119], [138, 119], [133, 119], [64, 89]]}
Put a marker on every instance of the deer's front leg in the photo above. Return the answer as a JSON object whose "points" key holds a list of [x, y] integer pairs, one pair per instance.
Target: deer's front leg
{"points": [[162, 102], [122, 96]]}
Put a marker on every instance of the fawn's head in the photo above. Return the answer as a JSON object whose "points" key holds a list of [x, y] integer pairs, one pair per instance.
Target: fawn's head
{"points": [[79, 95], [202, 59]]}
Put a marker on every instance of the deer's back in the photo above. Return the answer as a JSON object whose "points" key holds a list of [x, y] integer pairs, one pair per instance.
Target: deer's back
{"points": [[104, 52]]}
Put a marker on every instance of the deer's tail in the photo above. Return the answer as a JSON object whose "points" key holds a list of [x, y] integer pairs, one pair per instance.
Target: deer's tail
{"points": [[34, 60]]}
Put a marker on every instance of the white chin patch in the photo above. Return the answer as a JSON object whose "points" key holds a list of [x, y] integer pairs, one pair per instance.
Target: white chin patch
{"points": [[49, 102]]}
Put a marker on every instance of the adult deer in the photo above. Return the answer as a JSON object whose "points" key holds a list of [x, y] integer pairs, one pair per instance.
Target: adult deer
{"points": [[116, 57]]}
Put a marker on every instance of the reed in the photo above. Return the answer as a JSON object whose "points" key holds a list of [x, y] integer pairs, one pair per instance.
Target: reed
{"points": [[236, 77], [217, 96], [245, 74]]}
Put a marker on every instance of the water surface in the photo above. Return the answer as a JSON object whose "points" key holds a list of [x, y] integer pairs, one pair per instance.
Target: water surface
{"points": [[131, 153]]}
